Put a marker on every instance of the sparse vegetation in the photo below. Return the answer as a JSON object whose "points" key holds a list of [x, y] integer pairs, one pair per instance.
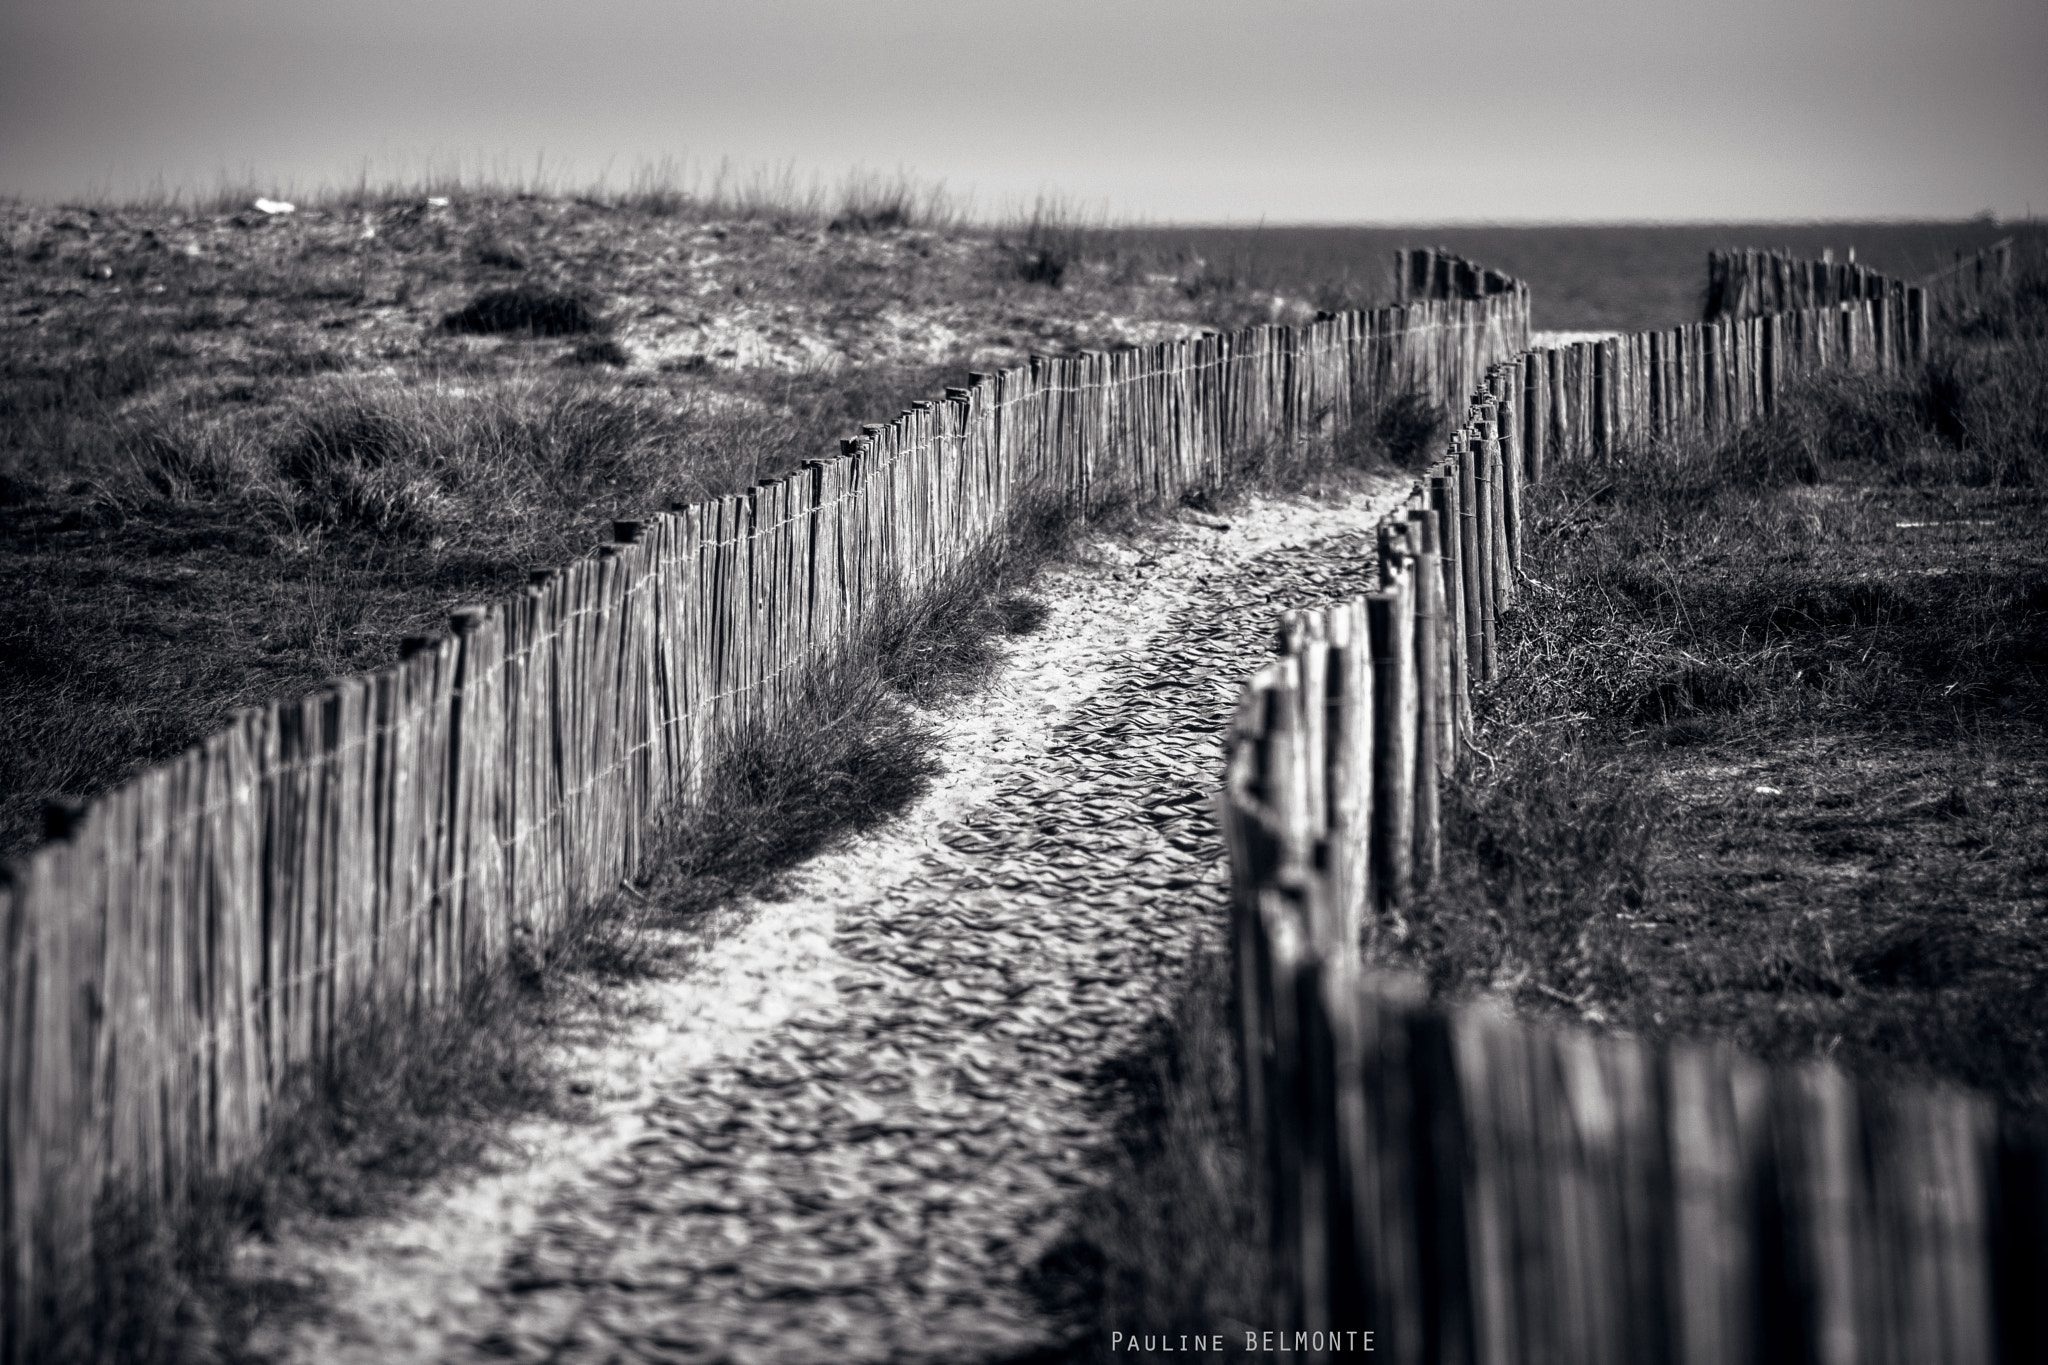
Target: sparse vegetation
{"points": [[786, 791], [213, 563], [1766, 759]]}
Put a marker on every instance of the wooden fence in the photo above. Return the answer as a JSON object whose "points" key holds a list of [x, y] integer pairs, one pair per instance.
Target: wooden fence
{"points": [[1744, 284], [1974, 280], [1472, 1189], [192, 938]]}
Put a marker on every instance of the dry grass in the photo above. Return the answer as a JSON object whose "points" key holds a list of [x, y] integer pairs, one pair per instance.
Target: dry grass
{"points": [[215, 565], [665, 188], [405, 1099]]}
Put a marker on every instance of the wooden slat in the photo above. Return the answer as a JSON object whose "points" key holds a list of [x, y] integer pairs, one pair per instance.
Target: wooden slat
{"points": [[1390, 622]]}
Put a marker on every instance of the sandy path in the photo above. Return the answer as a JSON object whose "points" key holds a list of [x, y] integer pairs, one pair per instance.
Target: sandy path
{"points": [[855, 1123]]}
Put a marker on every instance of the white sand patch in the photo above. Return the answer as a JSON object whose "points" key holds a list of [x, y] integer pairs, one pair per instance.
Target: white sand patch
{"points": [[1541, 340]]}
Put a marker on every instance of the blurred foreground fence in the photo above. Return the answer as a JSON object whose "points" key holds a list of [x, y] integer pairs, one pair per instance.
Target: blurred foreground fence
{"points": [[188, 941], [1473, 1189]]}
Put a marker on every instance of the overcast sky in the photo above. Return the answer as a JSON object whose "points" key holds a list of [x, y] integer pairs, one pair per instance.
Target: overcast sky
{"points": [[1188, 110]]}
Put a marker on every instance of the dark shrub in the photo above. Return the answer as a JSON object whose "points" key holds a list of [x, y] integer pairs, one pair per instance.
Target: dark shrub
{"points": [[1407, 428], [498, 254], [533, 311], [1043, 265], [601, 351], [1691, 690], [874, 219]]}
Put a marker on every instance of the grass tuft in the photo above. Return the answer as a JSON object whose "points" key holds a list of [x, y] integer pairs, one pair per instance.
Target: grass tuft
{"points": [[851, 755], [947, 643], [1055, 239]]}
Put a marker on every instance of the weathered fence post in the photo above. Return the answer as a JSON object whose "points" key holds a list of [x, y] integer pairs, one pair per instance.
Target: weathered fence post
{"points": [[1432, 695], [1389, 619]]}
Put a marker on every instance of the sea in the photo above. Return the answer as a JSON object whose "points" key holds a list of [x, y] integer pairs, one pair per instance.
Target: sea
{"points": [[1610, 277]]}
